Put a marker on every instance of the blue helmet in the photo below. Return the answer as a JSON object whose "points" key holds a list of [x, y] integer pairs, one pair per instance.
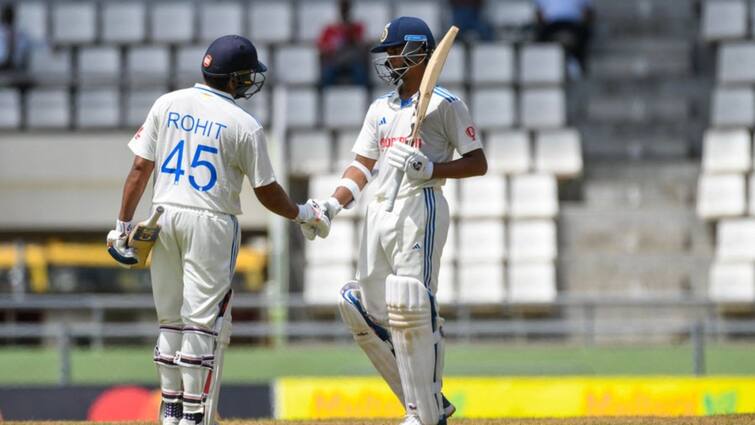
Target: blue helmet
{"points": [[235, 57], [402, 30]]}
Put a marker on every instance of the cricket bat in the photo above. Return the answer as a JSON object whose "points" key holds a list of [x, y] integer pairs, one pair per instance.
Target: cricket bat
{"points": [[426, 87], [141, 240]]}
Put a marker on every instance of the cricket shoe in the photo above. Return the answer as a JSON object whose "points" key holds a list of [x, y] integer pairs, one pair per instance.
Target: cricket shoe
{"points": [[448, 408], [411, 420], [192, 419], [172, 413]]}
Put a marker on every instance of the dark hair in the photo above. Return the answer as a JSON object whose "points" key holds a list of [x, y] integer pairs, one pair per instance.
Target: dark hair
{"points": [[216, 82]]}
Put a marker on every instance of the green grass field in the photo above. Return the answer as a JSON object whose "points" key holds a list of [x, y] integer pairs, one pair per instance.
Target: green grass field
{"points": [[27, 366]]}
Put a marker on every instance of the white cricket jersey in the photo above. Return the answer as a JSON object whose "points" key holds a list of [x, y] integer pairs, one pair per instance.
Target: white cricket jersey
{"points": [[447, 127], [203, 145]]}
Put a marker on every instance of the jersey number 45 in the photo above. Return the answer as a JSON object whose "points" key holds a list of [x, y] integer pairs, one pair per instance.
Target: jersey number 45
{"points": [[177, 172]]}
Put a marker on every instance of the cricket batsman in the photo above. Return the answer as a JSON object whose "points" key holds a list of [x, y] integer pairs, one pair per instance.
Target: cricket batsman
{"points": [[200, 145], [390, 308]]}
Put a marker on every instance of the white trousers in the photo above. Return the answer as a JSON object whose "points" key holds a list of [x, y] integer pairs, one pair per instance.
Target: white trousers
{"points": [[406, 242], [192, 265]]}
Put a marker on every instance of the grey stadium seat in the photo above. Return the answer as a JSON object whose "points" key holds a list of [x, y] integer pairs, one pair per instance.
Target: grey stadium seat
{"points": [[172, 22], [531, 283], [10, 109], [344, 143], [532, 240], [309, 152], [454, 71], [483, 196], [74, 23], [541, 63], [511, 13], [727, 151], [47, 108], [312, 16], [734, 106], [558, 152], [97, 108], [534, 196], [736, 63], [493, 108], [543, 108], [492, 63], [428, 11], [259, 106], [344, 107], [48, 67], [297, 65], [99, 65], [189, 64], [138, 103], [219, 18], [732, 282], [735, 240], [721, 195], [482, 241], [374, 15], [481, 283], [508, 152], [148, 65], [32, 18], [724, 19], [124, 22], [271, 22], [302, 107]]}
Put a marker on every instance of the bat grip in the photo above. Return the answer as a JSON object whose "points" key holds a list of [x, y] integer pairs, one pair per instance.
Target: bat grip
{"points": [[397, 179], [155, 216]]}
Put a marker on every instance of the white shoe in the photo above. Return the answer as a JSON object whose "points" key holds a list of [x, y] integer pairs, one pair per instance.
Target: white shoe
{"points": [[170, 421], [411, 420]]}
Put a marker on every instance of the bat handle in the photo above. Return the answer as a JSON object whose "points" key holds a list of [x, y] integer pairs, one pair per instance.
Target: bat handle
{"points": [[397, 179], [155, 216]]}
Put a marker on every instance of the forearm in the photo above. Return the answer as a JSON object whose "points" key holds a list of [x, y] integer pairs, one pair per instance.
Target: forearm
{"points": [[470, 165], [133, 189], [275, 199], [342, 194]]}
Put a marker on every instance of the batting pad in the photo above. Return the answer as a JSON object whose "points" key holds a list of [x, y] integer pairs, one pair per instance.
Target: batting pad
{"points": [[372, 338], [168, 343], [410, 318], [212, 385], [196, 359]]}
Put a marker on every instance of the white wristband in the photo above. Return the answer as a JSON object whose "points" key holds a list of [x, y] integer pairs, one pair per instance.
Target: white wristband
{"points": [[123, 226], [353, 187], [361, 167]]}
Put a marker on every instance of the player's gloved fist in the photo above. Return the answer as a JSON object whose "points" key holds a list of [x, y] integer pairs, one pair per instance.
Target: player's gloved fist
{"points": [[117, 242], [313, 220], [415, 164]]}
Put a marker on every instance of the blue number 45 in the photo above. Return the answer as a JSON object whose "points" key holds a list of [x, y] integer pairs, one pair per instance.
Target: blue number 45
{"points": [[177, 172]]}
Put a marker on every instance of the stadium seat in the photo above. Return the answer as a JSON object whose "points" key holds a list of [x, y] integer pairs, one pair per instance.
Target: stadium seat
{"points": [[724, 19], [374, 15], [735, 240], [172, 22], [446, 292], [534, 196], [543, 108], [454, 71], [323, 282], [541, 63], [270, 22], [492, 63], [344, 143], [258, 106], [97, 108], [483, 196], [734, 106], [727, 151], [732, 282], [721, 195], [148, 65], [10, 109], [297, 65], [427, 10], [558, 152], [189, 65], [48, 67], [532, 240], [451, 193], [339, 247], [219, 18], [48, 108], [481, 241], [531, 283], [493, 108], [736, 63], [321, 186], [123, 22], [344, 107], [32, 18], [99, 65], [309, 152], [313, 16], [481, 283], [74, 22], [508, 152], [511, 13], [302, 107], [138, 103]]}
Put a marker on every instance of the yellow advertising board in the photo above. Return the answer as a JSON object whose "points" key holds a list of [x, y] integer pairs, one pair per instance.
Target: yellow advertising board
{"points": [[314, 398]]}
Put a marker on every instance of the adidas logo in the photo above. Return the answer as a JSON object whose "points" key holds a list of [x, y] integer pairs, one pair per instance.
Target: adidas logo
{"points": [[416, 246], [382, 121]]}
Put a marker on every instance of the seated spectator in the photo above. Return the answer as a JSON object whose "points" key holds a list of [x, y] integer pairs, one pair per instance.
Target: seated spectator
{"points": [[468, 16], [568, 22], [14, 43], [343, 53]]}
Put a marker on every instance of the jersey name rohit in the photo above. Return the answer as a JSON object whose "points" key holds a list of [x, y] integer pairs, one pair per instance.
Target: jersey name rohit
{"points": [[195, 125]]}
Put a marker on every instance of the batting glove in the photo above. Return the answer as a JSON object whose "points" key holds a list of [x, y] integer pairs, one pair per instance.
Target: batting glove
{"points": [[313, 220], [415, 164], [117, 243]]}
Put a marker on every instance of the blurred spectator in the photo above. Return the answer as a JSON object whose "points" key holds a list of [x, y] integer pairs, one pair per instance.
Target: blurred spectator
{"points": [[14, 43], [568, 22], [468, 16], [343, 53]]}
